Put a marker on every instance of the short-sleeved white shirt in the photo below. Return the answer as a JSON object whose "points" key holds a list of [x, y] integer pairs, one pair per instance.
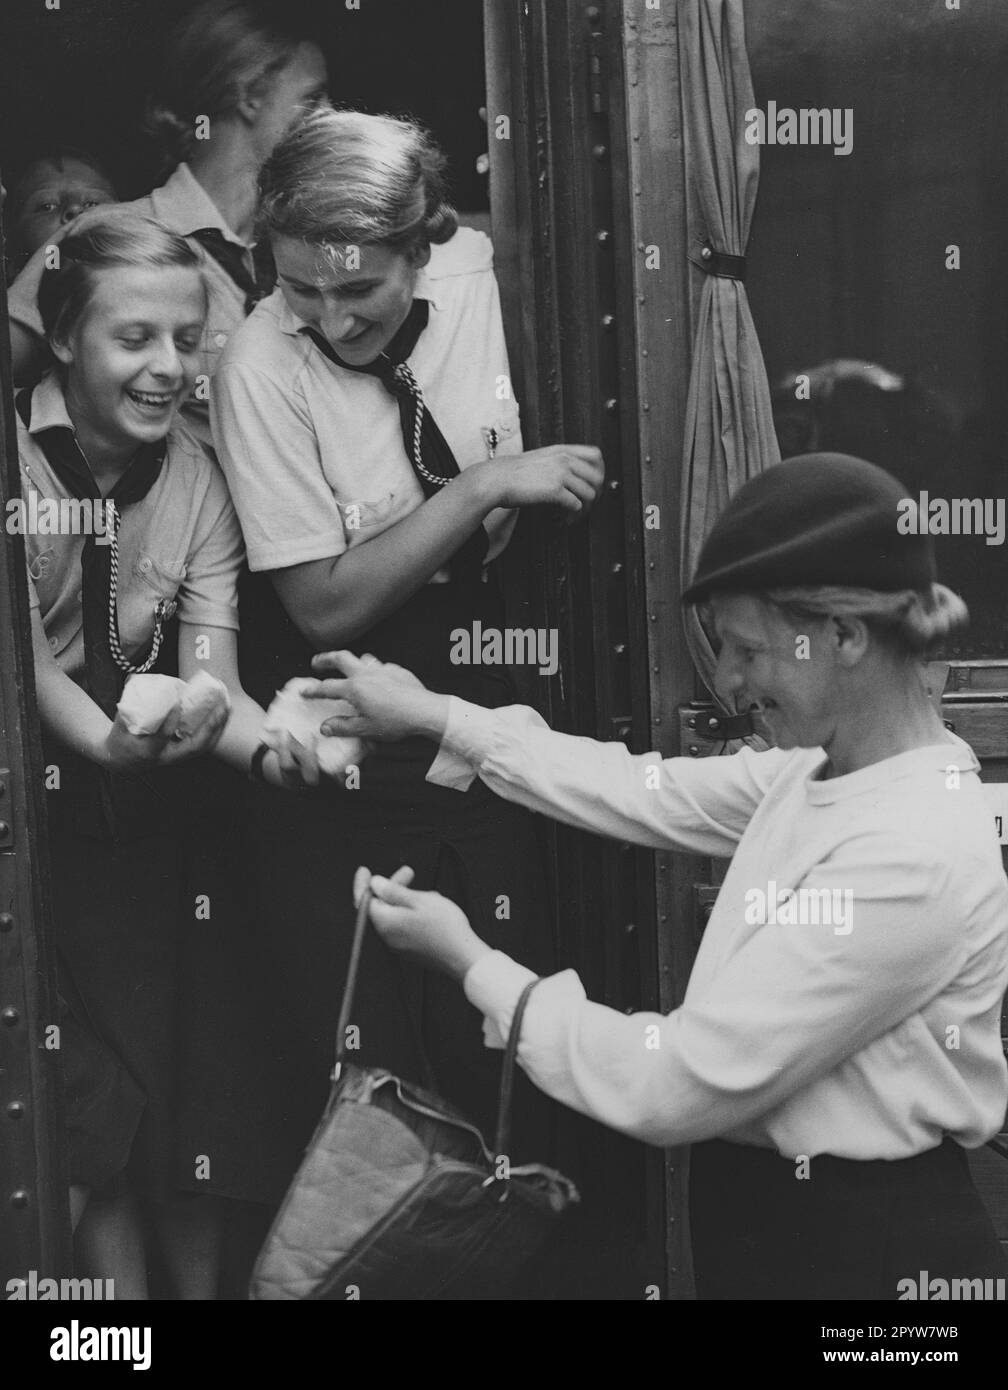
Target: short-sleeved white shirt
{"points": [[181, 541], [183, 206], [314, 454]]}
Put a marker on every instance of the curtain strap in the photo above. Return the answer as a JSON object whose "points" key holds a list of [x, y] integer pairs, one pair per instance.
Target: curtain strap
{"points": [[720, 263]]}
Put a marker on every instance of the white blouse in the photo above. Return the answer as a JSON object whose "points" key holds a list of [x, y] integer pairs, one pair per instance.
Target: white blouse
{"points": [[859, 1017]]}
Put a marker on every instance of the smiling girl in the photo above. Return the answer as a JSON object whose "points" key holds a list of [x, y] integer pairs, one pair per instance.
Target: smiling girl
{"points": [[124, 314], [237, 72], [365, 421]]}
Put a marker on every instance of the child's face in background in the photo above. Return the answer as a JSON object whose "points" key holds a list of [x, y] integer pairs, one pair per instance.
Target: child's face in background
{"points": [[133, 355], [51, 194]]}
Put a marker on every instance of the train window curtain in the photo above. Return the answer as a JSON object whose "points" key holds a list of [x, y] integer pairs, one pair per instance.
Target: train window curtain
{"points": [[729, 434]]}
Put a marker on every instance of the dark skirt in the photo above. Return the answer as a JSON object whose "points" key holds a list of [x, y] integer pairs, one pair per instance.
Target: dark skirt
{"points": [[851, 1230], [160, 999], [481, 852]]}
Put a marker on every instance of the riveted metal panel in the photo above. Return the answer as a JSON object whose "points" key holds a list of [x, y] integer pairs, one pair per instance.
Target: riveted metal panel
{"points": [[34, 1218]]}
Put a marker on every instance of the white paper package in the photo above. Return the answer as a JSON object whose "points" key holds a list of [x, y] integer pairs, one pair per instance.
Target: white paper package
{"points": [[148, 700], [291, 713]]}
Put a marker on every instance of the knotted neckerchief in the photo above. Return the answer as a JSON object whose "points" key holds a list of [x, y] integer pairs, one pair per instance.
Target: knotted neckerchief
{"points": [[231, 258], [426, 447], [105, 666]]}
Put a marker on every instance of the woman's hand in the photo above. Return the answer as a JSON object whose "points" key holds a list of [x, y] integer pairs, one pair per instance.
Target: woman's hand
{"points": [[426, 926], [390, 702], [562, 475]]}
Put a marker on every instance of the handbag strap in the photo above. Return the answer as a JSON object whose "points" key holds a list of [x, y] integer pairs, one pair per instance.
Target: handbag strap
{"points": [[350, 989], [510, 1052], [507, 1072]]}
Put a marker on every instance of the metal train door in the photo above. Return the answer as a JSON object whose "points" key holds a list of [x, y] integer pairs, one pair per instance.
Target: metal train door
{"points": [[34, 1216]]}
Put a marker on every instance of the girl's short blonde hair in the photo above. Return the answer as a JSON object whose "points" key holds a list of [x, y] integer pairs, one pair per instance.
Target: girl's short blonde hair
{"points": [[116, 237], [347, 178], [911, 620]]}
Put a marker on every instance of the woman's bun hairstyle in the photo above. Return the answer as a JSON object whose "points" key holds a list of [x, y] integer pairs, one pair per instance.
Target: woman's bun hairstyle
{"points": [[929, 618], [348, 178], [216, 52]]}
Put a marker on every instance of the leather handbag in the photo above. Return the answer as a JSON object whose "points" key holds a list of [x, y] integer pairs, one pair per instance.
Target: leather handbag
{"points": [[400, 1197]]}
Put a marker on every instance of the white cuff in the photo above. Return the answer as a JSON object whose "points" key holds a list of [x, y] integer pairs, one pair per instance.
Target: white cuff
{"points": [[464, 744], [493, 985]]}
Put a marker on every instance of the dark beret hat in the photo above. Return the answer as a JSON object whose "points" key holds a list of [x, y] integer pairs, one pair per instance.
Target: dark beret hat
{"points": [[815, 519]]}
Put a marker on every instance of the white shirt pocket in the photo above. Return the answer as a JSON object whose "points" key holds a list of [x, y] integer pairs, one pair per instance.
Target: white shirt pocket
{"points": [[152, 583]]}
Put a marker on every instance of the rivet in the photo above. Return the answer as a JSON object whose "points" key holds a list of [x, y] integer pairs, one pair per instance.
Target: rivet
{"points": [[651, 565], [694, 751], [15, 1110], [593, 14], [619, 648], [4, 829], [640, 299], [19, 1198], [612, 405], [691, 723], [656, 719], [647, 458], [713, 723], [617, 567], [614, 485], [644, 352], [3, 788], [706, 253], [629, 1009], [630, 928], [607, 320], [10, 1017], [640, 246], [6, 922], [647, 405], [602, 236], [599, 151], [653, 617]]}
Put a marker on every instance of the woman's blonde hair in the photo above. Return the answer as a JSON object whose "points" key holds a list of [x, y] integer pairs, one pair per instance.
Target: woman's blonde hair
{"points": [[347, 178], [911, 620]]}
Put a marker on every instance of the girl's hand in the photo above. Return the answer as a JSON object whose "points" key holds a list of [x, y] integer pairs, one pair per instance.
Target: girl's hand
{"points": [[180, 737], [426, 926], [390, 702], [193, 732], [568, 476], [292, 765], [126, 752]]}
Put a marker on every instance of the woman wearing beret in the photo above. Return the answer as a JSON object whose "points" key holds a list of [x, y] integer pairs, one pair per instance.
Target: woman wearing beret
{"points": [[837, 1050]]}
